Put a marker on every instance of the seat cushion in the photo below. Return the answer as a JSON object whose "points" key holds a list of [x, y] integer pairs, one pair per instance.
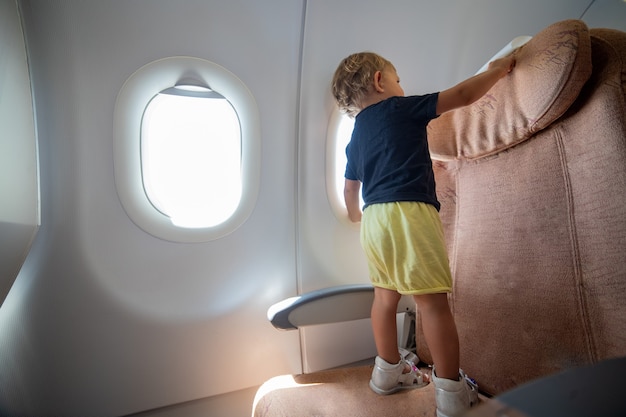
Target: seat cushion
{"points": [[342, 392]]}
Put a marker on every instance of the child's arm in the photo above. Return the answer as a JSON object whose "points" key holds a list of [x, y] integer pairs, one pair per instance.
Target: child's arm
{"points": [[470, 90], [351, 196]]}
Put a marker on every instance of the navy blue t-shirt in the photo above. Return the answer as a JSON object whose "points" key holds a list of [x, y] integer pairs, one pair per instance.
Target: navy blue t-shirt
{"points": [[388, 151]]}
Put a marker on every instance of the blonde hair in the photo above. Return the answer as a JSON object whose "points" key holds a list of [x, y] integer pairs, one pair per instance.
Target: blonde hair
{"points": [[353, 79]]}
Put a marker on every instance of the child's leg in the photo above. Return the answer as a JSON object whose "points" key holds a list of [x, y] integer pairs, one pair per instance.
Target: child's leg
{"points": [[384, 310], [453, 393], [390, 372], [440, 333]]}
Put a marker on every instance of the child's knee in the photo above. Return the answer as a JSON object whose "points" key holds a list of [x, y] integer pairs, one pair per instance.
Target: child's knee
{"points": [[387, 297], [432, 301]]}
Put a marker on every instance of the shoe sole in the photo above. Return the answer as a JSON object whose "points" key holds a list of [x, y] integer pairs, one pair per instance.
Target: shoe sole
{"points": [[397, 388]]}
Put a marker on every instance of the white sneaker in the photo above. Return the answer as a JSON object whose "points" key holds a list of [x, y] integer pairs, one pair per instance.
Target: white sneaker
{"points": [[388, 378], [454, 397]]}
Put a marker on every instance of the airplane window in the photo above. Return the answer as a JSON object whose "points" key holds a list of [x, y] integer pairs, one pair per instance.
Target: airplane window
{"points": [[187, 155], [191, 158], [344, 131], [339, 133]]}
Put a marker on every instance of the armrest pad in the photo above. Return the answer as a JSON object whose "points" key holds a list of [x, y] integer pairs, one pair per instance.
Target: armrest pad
{"points": [[328, 305]]}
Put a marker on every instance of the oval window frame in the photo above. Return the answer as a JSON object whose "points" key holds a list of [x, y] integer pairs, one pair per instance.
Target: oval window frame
{"points": [[131, 103]]}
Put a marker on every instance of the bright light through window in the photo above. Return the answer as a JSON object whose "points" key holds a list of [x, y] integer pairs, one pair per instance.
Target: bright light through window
{"points": [[191, 159], [342, 138]]}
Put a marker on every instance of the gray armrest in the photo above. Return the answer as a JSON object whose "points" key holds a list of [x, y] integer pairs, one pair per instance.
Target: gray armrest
{"points": [[328, 305]]}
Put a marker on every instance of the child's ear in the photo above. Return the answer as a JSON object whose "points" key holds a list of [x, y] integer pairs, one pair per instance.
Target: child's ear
{"points": [[378, 76]]}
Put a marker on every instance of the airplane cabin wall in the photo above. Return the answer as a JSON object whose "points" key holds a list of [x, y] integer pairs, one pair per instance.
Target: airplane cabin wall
{"points": [[107, 320], [19, 172]]}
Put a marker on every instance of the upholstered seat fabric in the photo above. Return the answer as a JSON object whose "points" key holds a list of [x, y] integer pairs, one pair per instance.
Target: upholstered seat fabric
{"points": [[551, 69], [535, 217]]}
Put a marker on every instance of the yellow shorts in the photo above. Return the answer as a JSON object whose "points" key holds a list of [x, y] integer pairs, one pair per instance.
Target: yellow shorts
{"points": [[405, 248]]}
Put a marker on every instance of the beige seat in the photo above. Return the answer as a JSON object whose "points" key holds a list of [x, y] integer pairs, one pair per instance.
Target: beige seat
{"points": [[532, 181]]}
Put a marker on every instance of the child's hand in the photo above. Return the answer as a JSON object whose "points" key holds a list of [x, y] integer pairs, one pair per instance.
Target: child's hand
{"points": [[505, 64]]}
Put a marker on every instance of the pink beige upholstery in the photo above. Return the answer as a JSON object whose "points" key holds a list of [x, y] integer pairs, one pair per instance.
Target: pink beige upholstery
{"points": [[550, 72], [532, 180]]}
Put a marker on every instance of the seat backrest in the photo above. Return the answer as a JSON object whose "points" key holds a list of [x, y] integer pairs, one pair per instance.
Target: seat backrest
{"points": [[532, 181]]}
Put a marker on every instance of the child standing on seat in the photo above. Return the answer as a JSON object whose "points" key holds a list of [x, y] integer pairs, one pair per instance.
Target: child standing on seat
{"points": [[401, 232]]}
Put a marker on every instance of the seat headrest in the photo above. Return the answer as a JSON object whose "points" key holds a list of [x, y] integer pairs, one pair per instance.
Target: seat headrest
{"points": [[550, 71]]}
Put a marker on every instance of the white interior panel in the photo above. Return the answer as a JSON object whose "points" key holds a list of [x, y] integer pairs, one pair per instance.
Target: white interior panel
{"points": [[606, 14], [19, 171]]}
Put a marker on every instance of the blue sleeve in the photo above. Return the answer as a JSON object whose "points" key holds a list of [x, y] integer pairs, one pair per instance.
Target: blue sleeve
{"points": [[350, 174], [423, 107]]}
